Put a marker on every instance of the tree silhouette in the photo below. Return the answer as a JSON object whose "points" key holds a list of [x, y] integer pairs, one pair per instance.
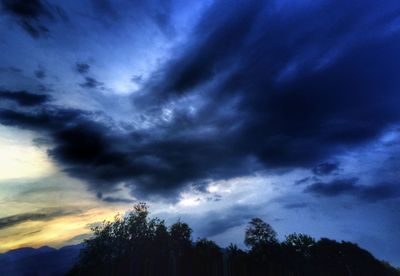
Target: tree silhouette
{"points": [[137, 245], [301, 243], [259, 233], [237, 261], [208, 258], [181, 245]]}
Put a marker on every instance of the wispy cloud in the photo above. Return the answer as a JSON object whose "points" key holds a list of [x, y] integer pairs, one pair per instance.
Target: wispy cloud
{"points": [[41, 215]]}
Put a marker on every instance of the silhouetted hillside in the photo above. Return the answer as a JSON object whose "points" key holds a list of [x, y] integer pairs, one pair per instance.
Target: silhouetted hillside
{"points": [[41, 261], [137, 245]]}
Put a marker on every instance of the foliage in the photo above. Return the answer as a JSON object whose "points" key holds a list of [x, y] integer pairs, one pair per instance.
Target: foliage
{"points": [[135, 244], [259, 233], [301, 243]]}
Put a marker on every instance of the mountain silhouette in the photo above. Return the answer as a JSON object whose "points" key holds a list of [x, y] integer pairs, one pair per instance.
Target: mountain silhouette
{"points": [[40, 261]]}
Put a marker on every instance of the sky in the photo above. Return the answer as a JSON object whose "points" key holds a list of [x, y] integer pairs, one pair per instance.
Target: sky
{"points": [[212, 112]]}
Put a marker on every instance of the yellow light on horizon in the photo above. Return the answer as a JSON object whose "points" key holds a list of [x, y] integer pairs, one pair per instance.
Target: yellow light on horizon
{"points": [[55, 233]]}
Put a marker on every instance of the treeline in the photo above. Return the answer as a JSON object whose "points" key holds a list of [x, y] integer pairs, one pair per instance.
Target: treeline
{"points": [[137, 245]]}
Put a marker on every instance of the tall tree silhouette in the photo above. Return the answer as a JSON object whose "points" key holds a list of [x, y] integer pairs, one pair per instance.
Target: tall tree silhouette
{"points": [[258, 233]]}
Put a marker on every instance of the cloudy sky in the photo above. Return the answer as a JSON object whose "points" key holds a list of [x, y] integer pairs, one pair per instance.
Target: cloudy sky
{"points": [[211, 111]]}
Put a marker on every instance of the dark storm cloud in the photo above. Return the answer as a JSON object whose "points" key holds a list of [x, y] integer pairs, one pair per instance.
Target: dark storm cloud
{"points": [[24, 98], [81, 145], [302, 181], [40, 73], [35, 31], [325, 168], [32, 15], [90, 148], [82, 68], [380, 192], [29, 9], [306, 86], [91, 83], [43, 120], [334, 188], [112, 199], [350, 187], [272, 88], [43, 215]]}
